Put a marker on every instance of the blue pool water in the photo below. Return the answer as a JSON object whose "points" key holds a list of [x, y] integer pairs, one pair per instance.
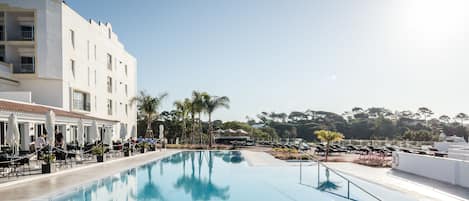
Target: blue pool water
{"points": [[216, 175]]}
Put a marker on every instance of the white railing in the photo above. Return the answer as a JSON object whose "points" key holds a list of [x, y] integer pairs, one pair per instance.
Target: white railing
{"points": [[27, 35]]}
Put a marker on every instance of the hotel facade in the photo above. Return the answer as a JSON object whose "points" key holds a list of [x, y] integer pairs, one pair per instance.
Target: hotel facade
{"points": [[51, 58]]}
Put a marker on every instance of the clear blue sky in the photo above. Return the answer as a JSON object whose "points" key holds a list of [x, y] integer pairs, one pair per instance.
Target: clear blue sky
{"points": [[283, 55]]}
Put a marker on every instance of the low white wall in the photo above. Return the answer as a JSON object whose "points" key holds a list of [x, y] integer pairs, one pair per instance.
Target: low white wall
{"points": [[448, 170], [23, 96]]}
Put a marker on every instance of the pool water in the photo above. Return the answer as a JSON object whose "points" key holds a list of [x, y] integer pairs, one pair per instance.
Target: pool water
{"points": [[224, 175]]}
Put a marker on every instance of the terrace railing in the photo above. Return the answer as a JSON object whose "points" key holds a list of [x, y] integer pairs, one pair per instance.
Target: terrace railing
{"points": [[329, 180]]}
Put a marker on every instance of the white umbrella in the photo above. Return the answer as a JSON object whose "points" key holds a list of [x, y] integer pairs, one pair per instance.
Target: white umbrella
{"points": [[133, 134], [108, 136], [50, 127], [13, 133], [161, 132], [241, 131], [230, 131], [81, 133], [123, 132], [94, 132]]}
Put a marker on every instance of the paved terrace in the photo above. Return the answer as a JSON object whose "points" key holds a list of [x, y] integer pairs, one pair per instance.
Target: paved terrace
{"points": [[38, 186]]}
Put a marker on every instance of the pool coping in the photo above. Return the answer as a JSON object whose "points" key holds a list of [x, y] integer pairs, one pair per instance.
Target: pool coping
{"points": [[147, 157]]}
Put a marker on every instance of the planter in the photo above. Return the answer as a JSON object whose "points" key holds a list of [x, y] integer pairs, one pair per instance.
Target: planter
{"points": [[153, 148], [142, 150], [100, 159], [126, 153], [46, 168]]}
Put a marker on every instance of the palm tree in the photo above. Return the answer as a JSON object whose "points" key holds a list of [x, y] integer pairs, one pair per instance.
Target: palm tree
{"points": [[212, 103], [328, 137], [184, 108], [148, 108], [198, 106]]}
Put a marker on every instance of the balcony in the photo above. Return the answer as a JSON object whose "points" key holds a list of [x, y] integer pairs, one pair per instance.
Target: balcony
{"points": [[23, 68], [27, 35]]}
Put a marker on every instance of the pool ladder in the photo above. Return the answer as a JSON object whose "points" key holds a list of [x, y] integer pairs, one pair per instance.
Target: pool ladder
{"points": [[328, 169]]}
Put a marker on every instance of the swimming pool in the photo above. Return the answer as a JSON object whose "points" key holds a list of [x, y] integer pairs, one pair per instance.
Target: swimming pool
{"points": [[224, 175]]}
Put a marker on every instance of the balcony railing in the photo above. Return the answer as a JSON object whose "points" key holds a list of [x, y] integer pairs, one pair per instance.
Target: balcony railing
{"points": [[23, 68], [27, 35]]}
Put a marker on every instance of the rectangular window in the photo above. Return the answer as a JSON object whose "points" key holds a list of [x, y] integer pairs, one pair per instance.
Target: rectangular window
{"points": [[72, 67], [89, 75], [88, 49], [26, 65], [125, 89], [2, 53], [72, 38], [95, 78], [95, 103], [109, 84], [126, 109], [81, 101], [27, 32], [109, 106], [125, 69], [95, 52], [109, 61]]}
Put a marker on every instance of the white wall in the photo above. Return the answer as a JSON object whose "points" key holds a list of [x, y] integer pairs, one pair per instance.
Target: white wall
{"points": [[23, 96], [442, 169]]}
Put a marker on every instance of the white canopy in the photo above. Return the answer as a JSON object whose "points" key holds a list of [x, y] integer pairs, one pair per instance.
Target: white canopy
{"points": [[241, 131], [50, 127], [230, 131], [13, 133], [81, 133], [123, 131], [94, 132]]}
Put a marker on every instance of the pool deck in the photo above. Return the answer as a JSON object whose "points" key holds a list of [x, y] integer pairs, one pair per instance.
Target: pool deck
{"points": [[44, 185], [414, 186]]}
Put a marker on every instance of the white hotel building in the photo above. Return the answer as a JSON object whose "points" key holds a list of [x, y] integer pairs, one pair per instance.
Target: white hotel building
{"points": [[53, 58]]}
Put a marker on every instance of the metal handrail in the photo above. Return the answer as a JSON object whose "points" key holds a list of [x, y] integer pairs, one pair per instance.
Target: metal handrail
{"points": [[340, 175]]}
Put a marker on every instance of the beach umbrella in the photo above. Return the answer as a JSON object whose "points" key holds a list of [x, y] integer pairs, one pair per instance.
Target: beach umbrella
{"points": [[220, 131], [161, 131], [241, 131], [94, 133], [231, 131], [133, 134], [50, 127], [123, 131], [81, 133], [13, 133], [108, 136]]}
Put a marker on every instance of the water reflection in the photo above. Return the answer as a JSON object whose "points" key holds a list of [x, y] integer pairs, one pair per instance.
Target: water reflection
{"points": [[230, 157], [201, 188]]}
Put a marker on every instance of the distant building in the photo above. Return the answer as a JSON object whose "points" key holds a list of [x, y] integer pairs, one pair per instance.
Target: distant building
{"points": [[50, 56]]}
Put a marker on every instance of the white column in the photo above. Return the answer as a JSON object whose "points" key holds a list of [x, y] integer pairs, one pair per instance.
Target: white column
{"points": [[28, 130]]}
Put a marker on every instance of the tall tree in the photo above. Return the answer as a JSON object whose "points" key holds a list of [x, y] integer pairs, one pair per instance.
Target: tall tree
{"points": [[198, 106], [445, 119], [461, 117], [148, 108], [425, 112], [328, 137], [213, 103], [184, 108]]}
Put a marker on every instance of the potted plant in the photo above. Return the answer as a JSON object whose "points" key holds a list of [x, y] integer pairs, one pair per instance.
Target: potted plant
{"points": [[98, 150], [46, 166], [152, 147], [126, 151], [143, 146]]}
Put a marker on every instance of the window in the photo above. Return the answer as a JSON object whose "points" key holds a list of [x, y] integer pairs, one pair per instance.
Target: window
{"points": [[2, 53], [26, 65], [125, 69], [27, 32], [126, 109], [109, 106], [125, 89], [72, 38], [109, 33], [72, 67], [88, 49], [109, 84], [89, 75], [81, 101], [109, 61], [95, 52], [95, 103], [95, 78]]}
